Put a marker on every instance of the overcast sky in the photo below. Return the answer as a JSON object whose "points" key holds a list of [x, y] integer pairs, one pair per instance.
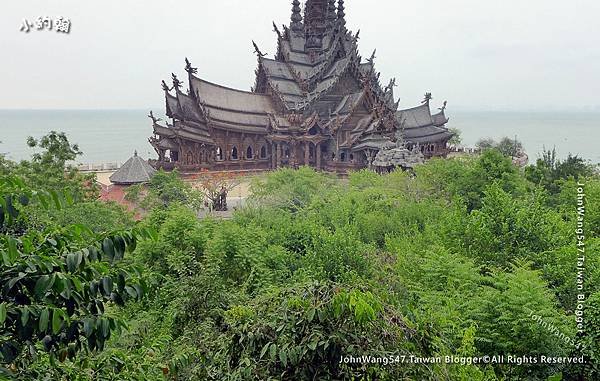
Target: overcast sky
{"points": [[477, 54]]}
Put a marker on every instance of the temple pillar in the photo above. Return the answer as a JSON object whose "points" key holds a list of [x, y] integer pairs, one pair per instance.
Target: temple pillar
{"points": [[279, 155], [293, 154], [273, 155], [307, 153], [318, 155]]}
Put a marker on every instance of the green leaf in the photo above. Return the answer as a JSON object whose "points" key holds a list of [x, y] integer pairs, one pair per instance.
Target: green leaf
{"points": [[131, 291], [119, 247], [264, 350], [108, 249], [71, 262], [6, 258], [56, 198], [93, 256], [77, 284], [107, 285], [44, 317], [43, 200], [13, 253], [56, 321], [2, 312], [283, 357], [14, 280], [273, 351], [104, 327], [41, 286], [88, 326], [78, 259], [24, 316]]}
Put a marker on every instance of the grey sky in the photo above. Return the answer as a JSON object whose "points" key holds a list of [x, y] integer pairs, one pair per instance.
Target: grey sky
{"points": [[477, 54]]}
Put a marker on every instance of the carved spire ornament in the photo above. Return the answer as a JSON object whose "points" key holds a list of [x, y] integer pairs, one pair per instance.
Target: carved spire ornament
{"points": [[341, 15], [296, 24], [331, 14]]}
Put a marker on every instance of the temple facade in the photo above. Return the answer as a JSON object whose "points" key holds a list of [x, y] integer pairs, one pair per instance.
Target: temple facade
{"points": [[315, 103]]}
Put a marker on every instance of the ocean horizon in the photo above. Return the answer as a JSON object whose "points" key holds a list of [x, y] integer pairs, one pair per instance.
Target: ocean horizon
{"points": [[111, 136]]}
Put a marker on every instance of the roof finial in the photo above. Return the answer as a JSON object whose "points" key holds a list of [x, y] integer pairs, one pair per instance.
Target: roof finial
{"points": [[257, 50], [391, 85], [176, 82], [135, 153], [296, 24], [276, 29], [428, 97], [189, 68], [372, 59], [444, 106], [341, 15], [165, 87], [154, 119]]}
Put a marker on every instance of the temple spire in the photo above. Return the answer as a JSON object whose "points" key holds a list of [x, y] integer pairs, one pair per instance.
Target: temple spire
{"points": [[296, 24], [331, 15], [341, 15]]}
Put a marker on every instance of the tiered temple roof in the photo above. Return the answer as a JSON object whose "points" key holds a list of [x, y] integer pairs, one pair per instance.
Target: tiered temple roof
{"points": [[316, 98], [135, 171]]}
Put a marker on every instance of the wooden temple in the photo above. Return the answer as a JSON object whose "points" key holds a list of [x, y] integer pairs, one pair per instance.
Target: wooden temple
{"points": [[316, 103]]}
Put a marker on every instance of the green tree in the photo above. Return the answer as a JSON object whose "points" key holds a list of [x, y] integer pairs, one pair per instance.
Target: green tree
{"points": [[51, 168], [456, 138], [56, 285]]}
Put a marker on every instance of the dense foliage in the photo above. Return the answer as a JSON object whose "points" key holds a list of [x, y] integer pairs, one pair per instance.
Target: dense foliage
{"points": [[453, 261]]}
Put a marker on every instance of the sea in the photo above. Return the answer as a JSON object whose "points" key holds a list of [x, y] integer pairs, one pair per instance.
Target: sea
{"points": [[112, 136]]}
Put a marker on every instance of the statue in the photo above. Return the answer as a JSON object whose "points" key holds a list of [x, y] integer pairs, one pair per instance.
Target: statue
{"points": [[220, 204]]}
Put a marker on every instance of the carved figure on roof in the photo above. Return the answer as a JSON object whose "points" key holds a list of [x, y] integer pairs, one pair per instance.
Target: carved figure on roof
{"points": [[372, 58], [276, 29], [257, 50], [154, 119], [391, 85], [189, 68], [176, 82], [427, 98]]}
